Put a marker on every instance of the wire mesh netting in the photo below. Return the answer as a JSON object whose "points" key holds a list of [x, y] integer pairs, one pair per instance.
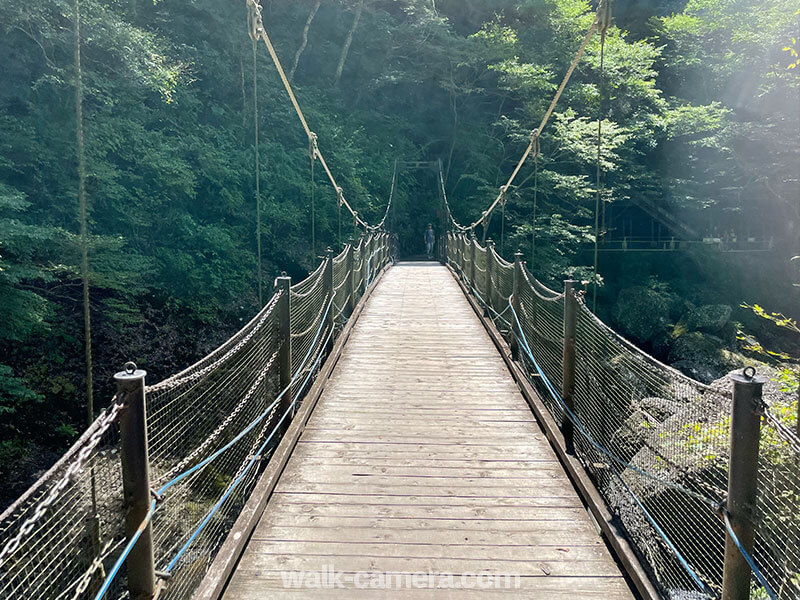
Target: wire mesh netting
{"points": [[541, 316], [664, 424], [211, 430], [342, 287], [310, 311], [57, 539], [777, 509], [655, 441], [192, 415]]}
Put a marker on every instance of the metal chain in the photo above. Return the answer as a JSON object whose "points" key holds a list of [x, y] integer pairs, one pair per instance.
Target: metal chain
{"points": [[176, 380], [222, 426], [104, 423]]}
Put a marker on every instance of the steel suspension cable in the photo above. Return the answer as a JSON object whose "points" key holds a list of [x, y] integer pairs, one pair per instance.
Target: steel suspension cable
{"points": [[537, 132], [83, 214], [260, 31], [312, 153]]}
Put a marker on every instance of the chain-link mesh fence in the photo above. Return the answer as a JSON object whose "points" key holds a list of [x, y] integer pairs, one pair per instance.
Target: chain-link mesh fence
{"points": [[55, 540], [211, 431]]}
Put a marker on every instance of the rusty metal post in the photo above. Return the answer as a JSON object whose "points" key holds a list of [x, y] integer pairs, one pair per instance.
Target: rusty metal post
{"points": [[283, 285], [136, 480], [742, 481], [329, 294], [351, 288], [364, 263], [568, 361], [472, 251], [489, 274], [515, 303]]}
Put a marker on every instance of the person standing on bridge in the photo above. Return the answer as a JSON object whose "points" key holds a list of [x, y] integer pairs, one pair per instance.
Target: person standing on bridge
{"points": [[430, 240]]}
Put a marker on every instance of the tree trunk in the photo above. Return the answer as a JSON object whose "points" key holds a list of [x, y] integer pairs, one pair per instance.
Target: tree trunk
{"points": [[347, 42], [303, 44]]}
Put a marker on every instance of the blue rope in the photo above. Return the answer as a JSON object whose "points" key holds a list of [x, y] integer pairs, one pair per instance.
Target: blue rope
{"points": [[735, 539], [498, 315], [572, 417], [257, 420], [241, 476], [122, 557]]}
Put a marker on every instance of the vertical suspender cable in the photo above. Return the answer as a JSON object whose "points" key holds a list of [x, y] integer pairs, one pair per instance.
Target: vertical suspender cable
{"points": [[93, 521], [312, 152], [604, 19], [252, 30], [502, 224], [535, 198], [84, 218], [258, 171]]}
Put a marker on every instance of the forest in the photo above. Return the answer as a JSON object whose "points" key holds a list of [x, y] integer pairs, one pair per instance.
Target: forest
{"points": [[694, 203]]}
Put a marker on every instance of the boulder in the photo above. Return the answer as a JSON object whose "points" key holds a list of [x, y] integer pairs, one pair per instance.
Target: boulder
{"points": [[700, 356], [641, 312], [661, 345], [709, 317]]}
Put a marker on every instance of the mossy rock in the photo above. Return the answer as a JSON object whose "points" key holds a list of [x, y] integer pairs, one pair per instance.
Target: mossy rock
{"points": [[641, 312], [709, 317]]}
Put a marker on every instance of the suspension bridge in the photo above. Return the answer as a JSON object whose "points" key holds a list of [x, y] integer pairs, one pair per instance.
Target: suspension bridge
{"points": [[451, 428]]}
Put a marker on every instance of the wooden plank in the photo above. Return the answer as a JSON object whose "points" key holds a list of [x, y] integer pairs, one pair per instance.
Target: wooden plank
{"points": [[422, 456]]}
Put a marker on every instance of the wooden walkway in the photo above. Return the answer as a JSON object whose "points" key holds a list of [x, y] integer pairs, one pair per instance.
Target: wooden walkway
{"points": [[422, 463]]}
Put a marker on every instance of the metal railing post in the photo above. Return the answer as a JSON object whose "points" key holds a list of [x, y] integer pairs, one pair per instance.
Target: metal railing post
{"points": [[515, 302], [489, 273], [136, 480], [742, 481], [568, 361], [460, 260], [329, 292], [472, 244], [283, 285], [351, 289], [364, 262]]}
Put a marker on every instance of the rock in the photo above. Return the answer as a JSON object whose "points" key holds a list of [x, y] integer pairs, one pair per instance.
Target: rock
{"points": [[662, 344], [647, 413], [699, 371], [641, 312], [710, 317], [660, 409], [700, 356]]}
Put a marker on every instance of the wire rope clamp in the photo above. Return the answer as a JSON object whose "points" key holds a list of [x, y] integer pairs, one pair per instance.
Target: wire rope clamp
{"points": [[339, 195], [503, 194], [254, 23], [313, 147], [604, 15], [535, 142]]}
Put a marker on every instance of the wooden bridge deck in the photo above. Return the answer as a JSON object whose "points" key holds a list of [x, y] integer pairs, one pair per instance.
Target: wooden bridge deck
{"points": [[423, 458]]}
